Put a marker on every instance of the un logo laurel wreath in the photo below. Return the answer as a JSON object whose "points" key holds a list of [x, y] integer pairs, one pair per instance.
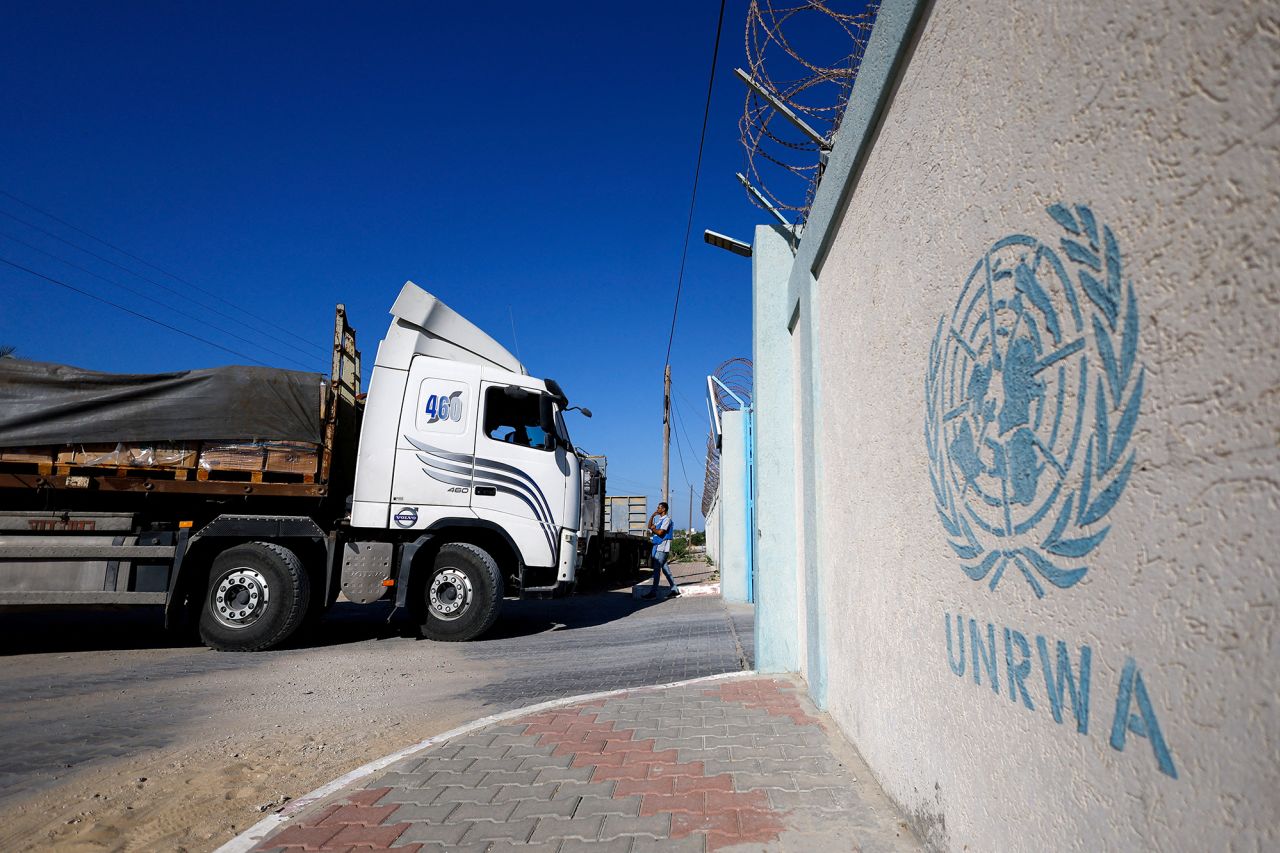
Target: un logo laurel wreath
{"points": [[1032, 393]]}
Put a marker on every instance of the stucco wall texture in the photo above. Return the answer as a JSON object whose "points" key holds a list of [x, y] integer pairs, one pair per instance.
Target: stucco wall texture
{"points": [[778, 604], [732, 560], [1163, 120]]}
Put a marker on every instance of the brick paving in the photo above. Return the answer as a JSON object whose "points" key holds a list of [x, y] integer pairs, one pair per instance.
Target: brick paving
{"points": [[744, 764]]}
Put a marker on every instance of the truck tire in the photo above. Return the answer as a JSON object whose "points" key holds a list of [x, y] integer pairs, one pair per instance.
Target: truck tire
{"points": [[257, 596], [462, 595]]}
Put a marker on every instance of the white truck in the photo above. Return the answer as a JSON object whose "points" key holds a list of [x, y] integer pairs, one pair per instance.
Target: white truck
{"points": [[451, 484]]}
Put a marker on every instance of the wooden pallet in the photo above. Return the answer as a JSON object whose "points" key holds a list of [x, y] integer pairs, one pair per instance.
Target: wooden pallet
{"points": [[110, 481]]}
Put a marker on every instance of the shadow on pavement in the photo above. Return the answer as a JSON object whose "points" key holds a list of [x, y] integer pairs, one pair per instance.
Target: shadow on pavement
{"points": [[525, 618], [120, 629], [24, 632]]}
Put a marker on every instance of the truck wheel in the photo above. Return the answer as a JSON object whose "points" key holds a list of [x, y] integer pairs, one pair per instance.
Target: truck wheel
{"points": [[462, 594], [257, 596]]}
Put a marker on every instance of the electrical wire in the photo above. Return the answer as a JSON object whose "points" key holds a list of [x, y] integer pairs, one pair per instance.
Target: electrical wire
{"points": [[514, 337], [142, 295], [128, 310], [680, 424], [680, 451], [697, 170], [691, 405], [128, 254]]}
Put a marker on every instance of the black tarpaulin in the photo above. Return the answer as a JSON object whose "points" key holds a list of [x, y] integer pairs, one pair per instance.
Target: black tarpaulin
{"points": [[43, 403]]}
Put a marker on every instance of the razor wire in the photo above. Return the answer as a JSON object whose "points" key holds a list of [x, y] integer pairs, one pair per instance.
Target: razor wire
{"points": [[807, 54], [737, 375]]}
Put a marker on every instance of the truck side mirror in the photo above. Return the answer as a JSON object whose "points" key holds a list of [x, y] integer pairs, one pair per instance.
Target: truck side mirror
{"points": [[547, 420]]}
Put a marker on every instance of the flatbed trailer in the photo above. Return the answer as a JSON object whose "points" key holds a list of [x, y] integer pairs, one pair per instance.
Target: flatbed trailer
{"points": [[168, 520]]}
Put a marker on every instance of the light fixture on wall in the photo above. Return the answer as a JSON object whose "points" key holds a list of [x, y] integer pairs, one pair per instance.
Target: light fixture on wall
{"points": [[728, 243]]}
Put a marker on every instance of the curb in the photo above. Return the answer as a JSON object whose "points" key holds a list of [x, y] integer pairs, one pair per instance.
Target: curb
{"points": [[247, 840], [689, 590]]}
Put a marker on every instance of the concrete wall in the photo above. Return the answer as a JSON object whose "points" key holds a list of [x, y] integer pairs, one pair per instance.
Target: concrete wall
{"points": [[1040, 588], [713, 532], [777, 602], [733, 507]]}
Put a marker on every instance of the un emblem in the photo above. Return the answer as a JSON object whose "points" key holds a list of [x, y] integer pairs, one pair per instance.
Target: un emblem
{"points": [[1032, 393]]}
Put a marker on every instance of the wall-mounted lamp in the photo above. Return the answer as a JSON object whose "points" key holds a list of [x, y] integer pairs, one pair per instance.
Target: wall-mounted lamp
{"points": [[728, 243]]}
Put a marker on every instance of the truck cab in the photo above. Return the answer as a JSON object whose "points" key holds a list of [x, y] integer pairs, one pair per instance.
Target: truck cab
{"points": [[463, 451]]}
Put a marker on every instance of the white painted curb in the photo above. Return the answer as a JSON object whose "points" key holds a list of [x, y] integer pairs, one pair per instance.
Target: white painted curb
{"points": [[642, 589], [247, 840]]}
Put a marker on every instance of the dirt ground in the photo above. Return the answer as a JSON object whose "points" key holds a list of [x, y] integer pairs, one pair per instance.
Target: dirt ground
{"points": [[171, 749], [198, 796], [114, 738]]}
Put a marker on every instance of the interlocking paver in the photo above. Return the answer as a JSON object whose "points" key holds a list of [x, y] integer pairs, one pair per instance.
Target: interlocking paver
{"points": [[515, 831], [587, 789], [483, 811], [459, 794], [439, 833], [503, 846], [495, 765], [424, 814], [547, 808], [586, 828], [469, 779], [359, 835], [590, 806], [412, 796], [744, 763], [688, 844], [407, 780], [658, 826], [516, 793], [566, 774], [307, 837], [621, 844], [540, 762]]}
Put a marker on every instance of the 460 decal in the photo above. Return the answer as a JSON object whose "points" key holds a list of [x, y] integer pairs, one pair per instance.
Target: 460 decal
{"points": [[444, 407]]}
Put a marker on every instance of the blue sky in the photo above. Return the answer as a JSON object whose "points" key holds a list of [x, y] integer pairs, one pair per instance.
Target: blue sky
{"points": [[518, 160]]}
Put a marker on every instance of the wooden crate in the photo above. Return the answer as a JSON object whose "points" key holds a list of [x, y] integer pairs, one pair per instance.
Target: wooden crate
{"points": [[26, 454], [232, 456], [292, 457], [94, 455], [162, 454], [152, 454]]}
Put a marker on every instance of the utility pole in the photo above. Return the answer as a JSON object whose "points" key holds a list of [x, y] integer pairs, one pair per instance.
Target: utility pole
{"points": [[690, 528], [666, 435]]}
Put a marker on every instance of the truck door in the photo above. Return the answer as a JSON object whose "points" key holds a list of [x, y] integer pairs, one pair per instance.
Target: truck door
{"points": [[521, 471], [435, 443]]}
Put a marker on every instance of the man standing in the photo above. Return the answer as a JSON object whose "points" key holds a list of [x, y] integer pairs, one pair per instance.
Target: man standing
{"points": [[660, 528]]}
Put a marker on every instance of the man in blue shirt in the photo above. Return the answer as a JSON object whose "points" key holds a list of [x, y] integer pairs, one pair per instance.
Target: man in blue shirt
{"points": [[660, 528]]}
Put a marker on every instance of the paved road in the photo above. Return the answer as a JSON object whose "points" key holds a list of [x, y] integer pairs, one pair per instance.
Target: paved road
{"points": [[111, 736]]}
